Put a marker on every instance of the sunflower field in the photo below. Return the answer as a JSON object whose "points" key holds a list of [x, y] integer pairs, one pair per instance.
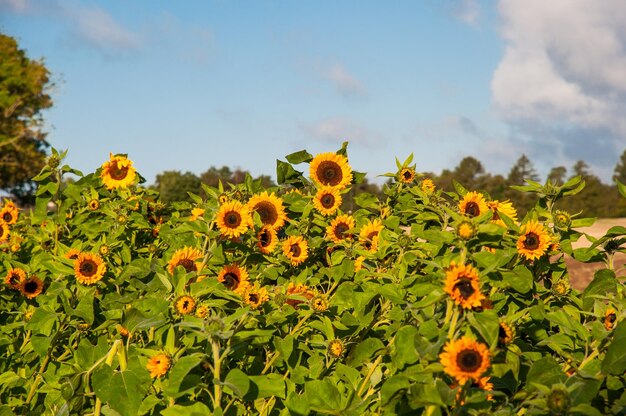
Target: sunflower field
{"points": [[253, 301]]}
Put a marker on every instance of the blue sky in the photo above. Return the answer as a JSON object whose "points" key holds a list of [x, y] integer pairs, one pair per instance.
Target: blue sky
{"points": [[193, 84]]}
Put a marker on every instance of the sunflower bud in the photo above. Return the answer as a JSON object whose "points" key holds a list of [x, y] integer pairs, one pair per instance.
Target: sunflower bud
{"points": [[335, 348], [465, 230], [122, 219], [53, 161], [561, 287], [562, 220], [104, 250], [558, 401], [319, 303], [214, 324]]}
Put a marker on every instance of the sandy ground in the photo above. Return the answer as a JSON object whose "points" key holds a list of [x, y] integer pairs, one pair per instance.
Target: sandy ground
{"points": [[582, 273]]}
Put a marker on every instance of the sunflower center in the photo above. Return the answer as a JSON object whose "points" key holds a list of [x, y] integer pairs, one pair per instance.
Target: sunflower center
{"points": [[340, 229], [188, 265], [31, 287], [611, 317], [472, 209], [329, 173], [465, 288], [1, 231], [531, 242], [13, 279], [407, 175], [185, 304], [7, 217], [328, 201], [295, 250], [88, 267], [118, 173], [233, 219], [265, 238], [469, 360], [267, 212], [253, 297], [231, 281]]}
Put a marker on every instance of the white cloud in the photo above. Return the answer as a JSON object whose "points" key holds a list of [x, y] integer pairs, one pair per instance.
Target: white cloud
{"points": [[562, 79], [340, 129], [467, 11], [344, 82]]}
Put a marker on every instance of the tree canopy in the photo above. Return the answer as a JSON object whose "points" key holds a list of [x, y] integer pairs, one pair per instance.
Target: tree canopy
{"points": [[24, 87]]}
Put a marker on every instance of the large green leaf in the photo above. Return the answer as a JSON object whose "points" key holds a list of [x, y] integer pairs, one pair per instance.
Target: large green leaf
{"points": [[122, 390], [545, 372], [615, 359], [323, 395], [179, 379], [196, 409], [603, 284]]}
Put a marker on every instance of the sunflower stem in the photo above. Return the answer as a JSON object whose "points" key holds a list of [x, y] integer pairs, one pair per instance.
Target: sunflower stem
{"points": [[109, 361], [275, 355], [217, 368], [455, 319]]}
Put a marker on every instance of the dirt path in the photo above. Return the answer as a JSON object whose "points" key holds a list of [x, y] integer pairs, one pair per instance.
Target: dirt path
{"points": [[582, 273]]}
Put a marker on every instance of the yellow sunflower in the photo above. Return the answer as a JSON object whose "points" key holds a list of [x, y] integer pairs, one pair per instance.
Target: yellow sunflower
{"points": [[15, 277], [202, 311], [335, 348], [465, 230], [255, 296], [337, 230], [185, 257], [463, 286], [331, 169], [428, 185], [270, 209], [368, 236], [534, 240], [72, 254], [298, 290], [296, 249], [4, 231], [222, 199], [196, 213], [159, 365], [473, 204], [234, 278], [358, 264], [233, 219], [93, 204], [506, 333], [502, 207], [185, 304], [9, 212], [319, 303], [406, 175], [118, 172], [267, 239], [31, 287], [327, 200], [610, 316], [465, 359], [89, 268]]}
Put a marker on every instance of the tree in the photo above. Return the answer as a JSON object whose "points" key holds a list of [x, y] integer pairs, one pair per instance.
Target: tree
{"points": [[620, 169], [24, 87], [557, 175], [522, 170], [174, 185]]}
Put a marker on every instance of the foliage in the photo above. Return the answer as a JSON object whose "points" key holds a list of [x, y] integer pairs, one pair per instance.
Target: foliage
{"points": [[429, 303], [24, 86]]}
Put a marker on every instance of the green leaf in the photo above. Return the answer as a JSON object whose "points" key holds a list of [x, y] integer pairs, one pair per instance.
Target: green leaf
{"points": [[297, 404], [603, 284], [621, 188], [266, 386], [392, 388], [520, 279], [122, 390], [238, 382], [323, 395], [615, 359], [405, 351], [196, 409], [299, 157], [179, 380], [364, 351], [545, 371], [42, 322], [487, 324]]}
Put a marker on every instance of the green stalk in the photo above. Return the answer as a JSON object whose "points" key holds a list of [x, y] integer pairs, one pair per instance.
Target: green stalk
{"points": [[217, 368]]}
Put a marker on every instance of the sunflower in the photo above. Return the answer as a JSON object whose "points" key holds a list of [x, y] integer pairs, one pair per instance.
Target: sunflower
{"points": [[465, 230], [159, 365], [319, 303], [485, 384], [296, 249], [502, 207], [234, 278], [337, 230], [14, 278], [369, 234], [331, 169], [185, 257], [72, 254], [185, 305], [222, 199], [406, 175], [89, 268], [233, 219], [202, 311], [327, 200], [270, 209], [196, 213], [610, 316], [428, 185], [255, 296], [93, 204], [31, 287], [358, 264], [473, 204], [117, 172], [506, 334], [534, 241], [298, 290], [267, 239], [335, 348], [4, 231], [465, 359], [462, 284], [9, 212]]}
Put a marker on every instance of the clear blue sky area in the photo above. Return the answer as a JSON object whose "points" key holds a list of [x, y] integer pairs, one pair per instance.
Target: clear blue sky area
{"points": [[191, 84]]}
